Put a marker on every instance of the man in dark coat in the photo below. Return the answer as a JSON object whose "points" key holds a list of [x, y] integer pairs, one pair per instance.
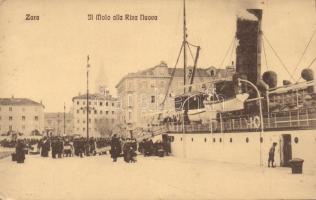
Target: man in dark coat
{"points": [[271, 155], [60, 147], [115, 147], [54, 148], [20, 153], [45, 147]]}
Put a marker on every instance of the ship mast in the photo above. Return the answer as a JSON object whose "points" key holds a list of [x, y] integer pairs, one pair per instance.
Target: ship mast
{"points": [[184, 44]]}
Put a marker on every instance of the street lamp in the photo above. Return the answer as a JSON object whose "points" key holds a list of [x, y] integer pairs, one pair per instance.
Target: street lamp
{"points": [[183, 127], [88, 65], [260, 110]]}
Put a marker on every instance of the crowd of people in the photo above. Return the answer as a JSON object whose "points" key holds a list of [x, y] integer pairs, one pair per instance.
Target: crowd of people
{"points": [[59, 147]]}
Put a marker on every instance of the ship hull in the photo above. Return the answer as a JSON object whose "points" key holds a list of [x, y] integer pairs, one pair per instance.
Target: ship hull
{"points": [[246, 147]]}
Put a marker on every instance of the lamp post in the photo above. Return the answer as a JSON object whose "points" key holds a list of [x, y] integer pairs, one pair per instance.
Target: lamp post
{"points": [[64, 119], [260, 110], [183, 126], [87, 108]]}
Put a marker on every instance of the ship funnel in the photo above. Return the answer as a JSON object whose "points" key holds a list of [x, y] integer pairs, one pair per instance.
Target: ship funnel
{"points": [[248, 52]]}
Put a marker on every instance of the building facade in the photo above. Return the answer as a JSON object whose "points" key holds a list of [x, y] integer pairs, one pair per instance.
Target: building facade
{"points": [[141, 94], [21, 115], [55, 125], [102, 114]]}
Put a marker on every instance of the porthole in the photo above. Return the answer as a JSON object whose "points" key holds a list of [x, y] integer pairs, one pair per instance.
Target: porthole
{"points": [[214, 140], [181, 139], [220, 139], [192, 139], [247, 140], [296, 140], [231, 140], [204, 139], [261, 139]]}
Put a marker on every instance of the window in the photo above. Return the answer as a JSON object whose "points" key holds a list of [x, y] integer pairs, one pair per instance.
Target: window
{"points": [[84, 121], [89, 102], [106, 103], [247, 139], [10, 108], [130, 100], [152, 99], [106, 112], [296, 140], [112, 112], [100, 103], [95, 112], [101, 112], [36, 118], [10, 128], [84, 103], [23, 127], [77, 111], [231, 140], [113, 104], [113, 120], [10, 118], [77, 102], [23, 118]]}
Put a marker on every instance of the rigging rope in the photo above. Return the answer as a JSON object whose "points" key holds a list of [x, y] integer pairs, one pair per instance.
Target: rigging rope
{"points": [[276, 54], [299, 62], [265, 55], [230, 46], [172, 75]]}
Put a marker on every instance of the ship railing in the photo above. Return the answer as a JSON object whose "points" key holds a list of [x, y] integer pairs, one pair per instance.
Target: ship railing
{"points": [[302, 118]]}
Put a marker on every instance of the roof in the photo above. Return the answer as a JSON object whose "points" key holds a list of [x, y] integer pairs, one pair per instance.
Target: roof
{"points": [[18, 102], [179, 72], [95, 96]]}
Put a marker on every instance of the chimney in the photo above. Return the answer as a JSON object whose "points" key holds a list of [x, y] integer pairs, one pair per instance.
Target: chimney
{"points": [[248, 52]]}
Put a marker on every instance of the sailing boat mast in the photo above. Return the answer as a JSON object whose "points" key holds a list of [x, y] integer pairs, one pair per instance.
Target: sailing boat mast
{"points": [[184, 46]]}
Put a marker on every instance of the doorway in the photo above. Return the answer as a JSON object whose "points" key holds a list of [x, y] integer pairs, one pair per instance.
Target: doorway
{"points": [[286, 150]]}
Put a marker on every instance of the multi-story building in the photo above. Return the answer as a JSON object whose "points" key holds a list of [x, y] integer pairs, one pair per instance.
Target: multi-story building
{"points": [[102, 116], [55, 125], [141, 94], [21, 115]]}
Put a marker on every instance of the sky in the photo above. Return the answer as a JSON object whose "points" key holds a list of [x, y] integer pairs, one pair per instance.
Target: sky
{"points": [[45, 60]]}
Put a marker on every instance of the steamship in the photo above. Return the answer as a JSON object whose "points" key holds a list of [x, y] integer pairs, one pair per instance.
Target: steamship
{"points": [[239, 120]]}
